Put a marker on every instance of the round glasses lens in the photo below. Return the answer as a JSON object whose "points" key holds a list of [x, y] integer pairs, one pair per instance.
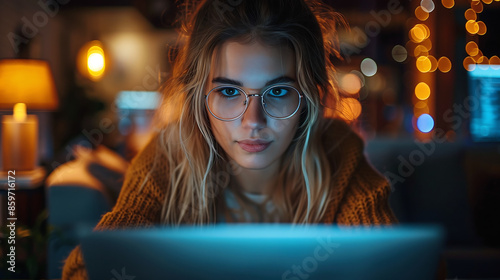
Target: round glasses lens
{"points": [[281, 101], [226, 102]]}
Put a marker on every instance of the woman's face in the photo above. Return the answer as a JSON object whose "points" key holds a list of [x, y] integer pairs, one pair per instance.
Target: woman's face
{"points": [[255, 140]]}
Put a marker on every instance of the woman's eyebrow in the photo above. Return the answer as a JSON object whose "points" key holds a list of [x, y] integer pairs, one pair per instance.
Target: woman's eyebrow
{"points": [[279, 80]]}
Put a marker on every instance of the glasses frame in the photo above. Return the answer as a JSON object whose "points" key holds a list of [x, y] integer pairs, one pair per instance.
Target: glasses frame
{"points": [[247, 99]]}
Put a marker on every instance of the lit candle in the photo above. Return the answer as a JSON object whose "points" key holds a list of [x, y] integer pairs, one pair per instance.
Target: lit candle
{"points": [[19, 140]]}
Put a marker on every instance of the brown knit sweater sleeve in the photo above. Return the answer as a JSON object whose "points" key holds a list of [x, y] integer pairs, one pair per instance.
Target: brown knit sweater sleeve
{"points": [[134, 207], [367, 199], [360, 193]]}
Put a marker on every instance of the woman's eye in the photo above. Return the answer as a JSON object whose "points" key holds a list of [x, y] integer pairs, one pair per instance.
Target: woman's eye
{"points": [[278, 91], [229, 91]]}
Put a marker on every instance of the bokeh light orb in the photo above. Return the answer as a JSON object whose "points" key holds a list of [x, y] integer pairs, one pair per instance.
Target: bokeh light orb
{"points": [[425, 123], [368, 67]]}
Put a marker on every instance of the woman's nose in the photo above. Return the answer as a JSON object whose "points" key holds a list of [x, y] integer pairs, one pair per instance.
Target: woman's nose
{"points": [[254, 117]]}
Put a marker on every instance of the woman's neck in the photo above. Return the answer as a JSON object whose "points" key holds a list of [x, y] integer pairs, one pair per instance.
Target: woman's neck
{"points": [[256, 181]]}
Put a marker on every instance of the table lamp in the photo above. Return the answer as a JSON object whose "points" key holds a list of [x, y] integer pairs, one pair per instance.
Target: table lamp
{"points": [[24, 84]]}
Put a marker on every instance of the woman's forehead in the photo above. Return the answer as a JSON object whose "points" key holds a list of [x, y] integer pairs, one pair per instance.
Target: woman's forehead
{"points": [[253, 64]]}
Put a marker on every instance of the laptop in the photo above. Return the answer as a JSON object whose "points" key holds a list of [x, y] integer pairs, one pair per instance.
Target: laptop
{"points": [[483, 103], [264, 251]]}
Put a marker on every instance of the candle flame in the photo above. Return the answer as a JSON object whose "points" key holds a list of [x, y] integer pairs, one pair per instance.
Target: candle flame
{"points": [[20, 112]]}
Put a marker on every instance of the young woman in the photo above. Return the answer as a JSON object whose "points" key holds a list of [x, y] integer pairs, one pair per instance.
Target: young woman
{"points": [[244, 134]]}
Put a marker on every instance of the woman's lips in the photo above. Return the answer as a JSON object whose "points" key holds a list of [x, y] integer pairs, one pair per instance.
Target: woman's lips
{"points": [[254, 146]]}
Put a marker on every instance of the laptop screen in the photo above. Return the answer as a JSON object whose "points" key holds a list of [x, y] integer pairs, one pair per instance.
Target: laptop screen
{"points": [[484, 91], [265, 251]]}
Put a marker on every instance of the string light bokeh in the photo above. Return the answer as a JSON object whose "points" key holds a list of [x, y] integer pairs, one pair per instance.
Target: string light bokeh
{"points": [[420, 44]]}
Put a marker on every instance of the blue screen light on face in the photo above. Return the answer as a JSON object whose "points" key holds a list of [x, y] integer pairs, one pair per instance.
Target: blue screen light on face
{"points": [[484, 90], [425, 123]]}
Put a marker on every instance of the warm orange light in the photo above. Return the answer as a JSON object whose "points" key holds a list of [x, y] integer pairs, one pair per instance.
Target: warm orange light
{"points": [[422, 91], [27, 81], [419, 33], [483, 62], [350, 109], [20, 112], [472, 27], [471, 48], [477, 56], [421, 14], [477, 6], [350, 83], [92, 60], [427, 44], [424, 64], [420, 104], [434, 63], [470, 14], [421, 51], [469, 64], [482, 28], [444, 64], [495, 62], [448, 3], [95, 61], [420, 108]]}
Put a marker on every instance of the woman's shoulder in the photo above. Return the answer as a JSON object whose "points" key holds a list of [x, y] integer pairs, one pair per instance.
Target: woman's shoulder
{"points": [[338, 135], [150, 156], [344, 148]]}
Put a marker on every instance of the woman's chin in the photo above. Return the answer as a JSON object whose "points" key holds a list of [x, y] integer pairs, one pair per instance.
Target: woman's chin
{"points": [[254, 164]]}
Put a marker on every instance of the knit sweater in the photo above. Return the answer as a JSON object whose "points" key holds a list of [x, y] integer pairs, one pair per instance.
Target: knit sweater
{"points": [[359, 196]]}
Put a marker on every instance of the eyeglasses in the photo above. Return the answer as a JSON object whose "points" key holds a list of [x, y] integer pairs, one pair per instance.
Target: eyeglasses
{"points": [[228, 103]]}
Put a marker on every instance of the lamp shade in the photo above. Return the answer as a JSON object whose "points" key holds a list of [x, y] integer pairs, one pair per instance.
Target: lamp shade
{"points": [[27, 81]]}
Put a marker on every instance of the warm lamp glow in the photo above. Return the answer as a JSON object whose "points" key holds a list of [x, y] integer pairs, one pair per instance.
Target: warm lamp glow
{"points": [[20, 112], [95, 61], [27, 81], [92, 60]]}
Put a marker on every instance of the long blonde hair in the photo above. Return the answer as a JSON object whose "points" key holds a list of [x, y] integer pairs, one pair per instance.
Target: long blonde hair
{"points": [[198, 169]]}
